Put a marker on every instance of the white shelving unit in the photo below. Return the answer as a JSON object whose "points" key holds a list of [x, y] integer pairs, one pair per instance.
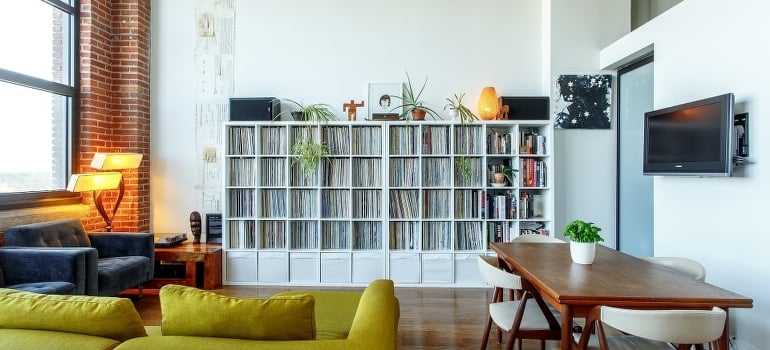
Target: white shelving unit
{"points": [[388, 201]]}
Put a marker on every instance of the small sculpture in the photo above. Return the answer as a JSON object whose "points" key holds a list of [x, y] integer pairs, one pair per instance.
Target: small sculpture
{"points": [[351, 108], [195, 226]]}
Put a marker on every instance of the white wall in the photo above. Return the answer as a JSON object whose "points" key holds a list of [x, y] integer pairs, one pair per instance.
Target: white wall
{"points": [[314, 51], [585, 159], [702, 49]]}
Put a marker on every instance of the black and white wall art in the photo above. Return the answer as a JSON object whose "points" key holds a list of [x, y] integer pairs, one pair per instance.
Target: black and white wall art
{"points": [[582, 101]]}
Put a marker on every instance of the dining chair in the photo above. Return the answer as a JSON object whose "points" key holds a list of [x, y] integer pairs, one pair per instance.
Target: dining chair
{"points": [[534, 238], [525, 318], [684, 266], [652, 329]]}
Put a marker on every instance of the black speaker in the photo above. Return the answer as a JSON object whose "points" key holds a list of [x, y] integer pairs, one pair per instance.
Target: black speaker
{"points": [[527, 108], [254, 108]]}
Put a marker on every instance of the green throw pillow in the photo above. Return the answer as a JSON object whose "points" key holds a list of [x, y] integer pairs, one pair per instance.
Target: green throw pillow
{"points": [[194, 312], [107, 317]]}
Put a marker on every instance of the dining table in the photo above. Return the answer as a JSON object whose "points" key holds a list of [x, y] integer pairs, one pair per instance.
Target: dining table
{"points": [[613, 279]]}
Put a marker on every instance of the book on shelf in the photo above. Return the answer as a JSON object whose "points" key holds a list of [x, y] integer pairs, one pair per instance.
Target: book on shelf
{"points": [[531, 142]]}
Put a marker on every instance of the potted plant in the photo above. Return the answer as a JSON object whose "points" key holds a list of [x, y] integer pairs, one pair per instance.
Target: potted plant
{"points": [[310, 152], [506, 173], [583, 237], [314, 113], [457, 109], [412, 104]]}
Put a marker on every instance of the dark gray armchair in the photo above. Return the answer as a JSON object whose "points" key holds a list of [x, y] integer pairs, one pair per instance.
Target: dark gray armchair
{"points": [[59, 271], [114, 261]]}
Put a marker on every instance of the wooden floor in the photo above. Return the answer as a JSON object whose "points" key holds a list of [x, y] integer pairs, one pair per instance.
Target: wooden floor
{"points": [[431, 318]]}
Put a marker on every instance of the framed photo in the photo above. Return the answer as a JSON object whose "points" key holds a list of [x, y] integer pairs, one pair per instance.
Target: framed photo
{"points": [[382, 101]]}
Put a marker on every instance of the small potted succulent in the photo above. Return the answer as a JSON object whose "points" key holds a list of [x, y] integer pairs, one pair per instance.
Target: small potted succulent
{"points": [[583, 237]]}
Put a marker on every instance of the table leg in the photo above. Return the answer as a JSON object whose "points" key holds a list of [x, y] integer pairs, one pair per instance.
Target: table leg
{"points": [[190, 272], [212, 275], [566, 327]]}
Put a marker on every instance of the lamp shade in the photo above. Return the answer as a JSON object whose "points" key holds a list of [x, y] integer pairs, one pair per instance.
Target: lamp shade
{"points": [[94, 181], [116, 161], [489, 104]]}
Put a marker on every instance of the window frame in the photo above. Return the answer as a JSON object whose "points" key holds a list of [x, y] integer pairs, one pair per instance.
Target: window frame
{"points": [[31, 199]]}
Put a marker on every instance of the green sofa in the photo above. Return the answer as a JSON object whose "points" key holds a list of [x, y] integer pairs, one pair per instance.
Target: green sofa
{"points": [[343, 320]]}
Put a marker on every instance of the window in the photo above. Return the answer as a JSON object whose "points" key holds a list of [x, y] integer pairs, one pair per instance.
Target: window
{"points": [[38, 96]]}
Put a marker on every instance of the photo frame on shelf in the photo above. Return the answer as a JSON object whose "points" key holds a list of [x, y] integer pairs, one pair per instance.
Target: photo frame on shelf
{"points": [[381, 100]]}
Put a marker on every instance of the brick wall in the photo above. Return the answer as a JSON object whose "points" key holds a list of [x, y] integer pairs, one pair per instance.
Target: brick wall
{"points": [[115, 101]]}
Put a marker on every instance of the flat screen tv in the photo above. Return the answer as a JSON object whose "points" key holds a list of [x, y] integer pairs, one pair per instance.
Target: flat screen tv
{"points": [[692, 139]]}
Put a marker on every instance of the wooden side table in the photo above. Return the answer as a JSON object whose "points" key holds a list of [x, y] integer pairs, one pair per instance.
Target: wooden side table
{"points": [[208, 253]]}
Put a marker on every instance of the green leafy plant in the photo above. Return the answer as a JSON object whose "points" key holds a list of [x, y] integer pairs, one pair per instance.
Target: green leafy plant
{"points": [[412, 101], [582, 232], [456, 103], [509, 173], [464, 168], [310, 155], [313, 113]]}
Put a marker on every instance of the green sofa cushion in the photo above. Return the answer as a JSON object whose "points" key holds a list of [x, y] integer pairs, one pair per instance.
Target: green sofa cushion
{"points": [[107, 317], [334, 311], [194, 312]]}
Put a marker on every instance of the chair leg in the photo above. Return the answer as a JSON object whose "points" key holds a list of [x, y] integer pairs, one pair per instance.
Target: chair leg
{"points": [[511, 341], [485, 337]]}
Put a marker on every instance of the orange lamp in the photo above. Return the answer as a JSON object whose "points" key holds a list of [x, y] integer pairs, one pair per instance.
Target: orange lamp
{"points": [[489, 104]]}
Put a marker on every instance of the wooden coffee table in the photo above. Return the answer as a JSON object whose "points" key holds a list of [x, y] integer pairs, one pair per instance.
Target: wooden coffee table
{"points": [[208, 253]]}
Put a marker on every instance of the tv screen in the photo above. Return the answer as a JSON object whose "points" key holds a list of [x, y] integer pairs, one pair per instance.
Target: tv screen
{"points": [[690, 139]]}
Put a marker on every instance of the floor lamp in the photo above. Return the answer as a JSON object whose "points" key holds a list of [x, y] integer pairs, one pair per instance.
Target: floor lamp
{"points": [[115, 161], [97, 182]]}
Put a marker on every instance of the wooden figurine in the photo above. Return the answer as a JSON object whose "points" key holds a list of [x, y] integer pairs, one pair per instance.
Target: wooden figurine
{"points": [[351, 107]]}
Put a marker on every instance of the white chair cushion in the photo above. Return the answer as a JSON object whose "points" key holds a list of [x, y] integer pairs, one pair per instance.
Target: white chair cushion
{"points": [[504, 312], [622, 342]]}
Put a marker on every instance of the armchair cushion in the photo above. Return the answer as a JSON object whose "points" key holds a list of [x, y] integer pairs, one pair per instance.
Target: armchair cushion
{"points": [[278, 318], [117, 274], [45, 287]]}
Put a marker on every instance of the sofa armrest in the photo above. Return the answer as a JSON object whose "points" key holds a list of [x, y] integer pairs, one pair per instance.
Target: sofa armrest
{"points": [[29, 265], [376, 320]]}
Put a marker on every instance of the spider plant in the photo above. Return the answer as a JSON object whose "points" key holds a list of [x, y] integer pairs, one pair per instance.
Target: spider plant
{"points": [[314, 113], [464, 168], [310, 155], [456, 103], [413, 105]]}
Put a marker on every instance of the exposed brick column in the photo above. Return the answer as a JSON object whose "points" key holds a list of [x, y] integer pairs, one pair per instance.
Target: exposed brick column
{"points": [[115, 101]]}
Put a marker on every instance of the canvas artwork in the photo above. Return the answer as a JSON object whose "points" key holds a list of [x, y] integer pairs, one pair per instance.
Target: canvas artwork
{"points": [[583, 101], [382, 102]]}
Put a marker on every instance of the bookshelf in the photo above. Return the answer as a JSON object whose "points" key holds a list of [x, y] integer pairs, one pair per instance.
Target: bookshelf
{"points": [[387, 202]]}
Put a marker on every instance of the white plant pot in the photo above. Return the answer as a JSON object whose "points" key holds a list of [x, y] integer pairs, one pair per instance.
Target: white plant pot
{"points": [[452, 113], [582, 253]]}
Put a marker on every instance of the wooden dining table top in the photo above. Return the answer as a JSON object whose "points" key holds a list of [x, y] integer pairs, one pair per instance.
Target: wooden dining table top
{"points": [[614, 279]]}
